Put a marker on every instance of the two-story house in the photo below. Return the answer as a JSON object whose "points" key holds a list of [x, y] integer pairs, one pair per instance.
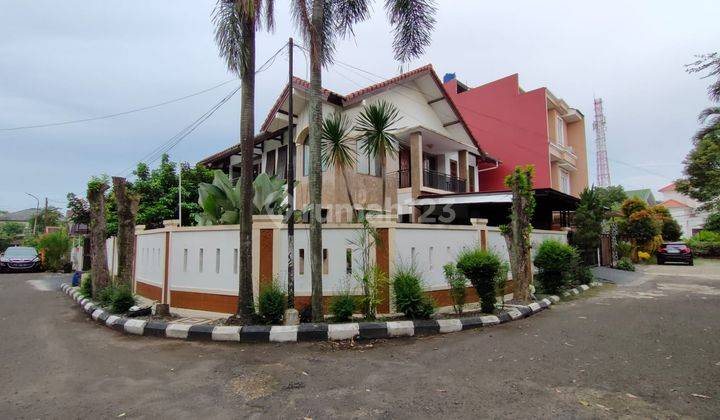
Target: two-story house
{"points": [[521, 127], [684, 209], [438, 154]]}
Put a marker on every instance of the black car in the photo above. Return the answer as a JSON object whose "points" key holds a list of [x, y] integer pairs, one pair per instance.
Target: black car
{"points": [[19, 258], [674, 252]]}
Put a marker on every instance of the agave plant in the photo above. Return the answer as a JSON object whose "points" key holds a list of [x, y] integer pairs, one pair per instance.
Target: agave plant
{"points": [[220, 200]]}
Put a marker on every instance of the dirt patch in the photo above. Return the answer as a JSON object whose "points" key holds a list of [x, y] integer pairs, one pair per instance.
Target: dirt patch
{"points": [[253, 386]]}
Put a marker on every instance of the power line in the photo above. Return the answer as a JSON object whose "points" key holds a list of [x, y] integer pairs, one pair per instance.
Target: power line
{"points": [[117, 114], [173, 141]]}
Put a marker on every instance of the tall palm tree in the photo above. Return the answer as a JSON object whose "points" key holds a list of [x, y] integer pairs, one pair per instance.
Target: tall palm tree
{"points": [[376, 125], [236, 22], [337, 150], [321, 23]]}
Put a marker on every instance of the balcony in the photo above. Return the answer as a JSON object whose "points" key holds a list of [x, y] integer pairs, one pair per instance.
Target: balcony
{"points": [[433, 179]]}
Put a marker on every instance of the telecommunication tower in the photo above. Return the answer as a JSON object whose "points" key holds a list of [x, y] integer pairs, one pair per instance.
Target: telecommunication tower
{"points": [[603, 169]]}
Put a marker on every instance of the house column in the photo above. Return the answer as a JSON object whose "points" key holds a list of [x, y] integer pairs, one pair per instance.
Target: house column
{"points": [[416, 170], [463, 167]]}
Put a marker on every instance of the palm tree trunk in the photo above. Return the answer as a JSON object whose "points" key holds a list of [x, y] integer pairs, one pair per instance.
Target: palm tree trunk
{"points": [[127, 205], [315, 181], [246, 304], [99, 275], [384, 181], [349, 194]]}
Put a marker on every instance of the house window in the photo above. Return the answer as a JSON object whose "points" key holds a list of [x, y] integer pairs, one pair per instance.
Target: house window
{"points": [[270, 163], [560, 131], [306, 159], [366, 164], [564, 181], [282, 154]]}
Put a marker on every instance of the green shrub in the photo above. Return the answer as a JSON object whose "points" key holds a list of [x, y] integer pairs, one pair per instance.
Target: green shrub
{"points": [[624, 249], [458, 286], [705, 243], [86, 285], [56, 246], [583, 274], [481, 267], [372, 280], [625, 264], [343, 306], [122, 299], [272, 303], [105, 296], [556, 262], [409, 296]]}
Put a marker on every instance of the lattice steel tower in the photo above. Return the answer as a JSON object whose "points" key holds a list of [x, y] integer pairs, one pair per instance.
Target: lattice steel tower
{"points": [[603, 169]]}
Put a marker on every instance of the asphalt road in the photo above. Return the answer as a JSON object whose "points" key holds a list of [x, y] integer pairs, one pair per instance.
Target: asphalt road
{"points": [[650, 349]]}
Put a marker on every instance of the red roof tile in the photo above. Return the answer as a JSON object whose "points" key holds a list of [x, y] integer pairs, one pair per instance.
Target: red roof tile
{"points": [[669, 187], [673, 203]]}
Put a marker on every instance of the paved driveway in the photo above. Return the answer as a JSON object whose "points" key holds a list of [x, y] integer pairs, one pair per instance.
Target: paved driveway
{"points": [[650, 350]]}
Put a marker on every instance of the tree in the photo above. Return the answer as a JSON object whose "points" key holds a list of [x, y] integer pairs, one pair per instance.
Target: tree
{"points": [[702, 164], [632, 205], [50, 216], [712, 223], [517, 234], [588, 221], [710, 117], [99, 274], [79, 209], [337, 151], [376, 125], [612, 196], [702, 172], [669, 228], [321, 23], [10, 233], [235, 25], [127, 206]]}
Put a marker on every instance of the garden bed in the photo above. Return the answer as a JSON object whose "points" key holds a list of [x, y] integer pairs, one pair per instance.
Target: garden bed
{"points": [[305, 332]]}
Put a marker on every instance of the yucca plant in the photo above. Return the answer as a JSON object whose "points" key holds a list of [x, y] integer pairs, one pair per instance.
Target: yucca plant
{"points": [[337, 149], [376, 125]]}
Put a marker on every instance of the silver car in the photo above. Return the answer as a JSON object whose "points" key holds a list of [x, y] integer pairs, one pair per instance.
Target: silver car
{"points": [[19, 258]]}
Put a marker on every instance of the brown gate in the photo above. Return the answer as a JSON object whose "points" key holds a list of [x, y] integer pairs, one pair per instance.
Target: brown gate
{"points": [[605, 250]]}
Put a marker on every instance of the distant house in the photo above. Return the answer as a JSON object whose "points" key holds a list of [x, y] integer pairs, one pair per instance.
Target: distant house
{"points": [[21, 216], [684, 209], [645, 195]]}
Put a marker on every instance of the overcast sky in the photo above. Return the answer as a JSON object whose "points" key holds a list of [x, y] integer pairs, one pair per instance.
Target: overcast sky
{"points": [[80, 59]]}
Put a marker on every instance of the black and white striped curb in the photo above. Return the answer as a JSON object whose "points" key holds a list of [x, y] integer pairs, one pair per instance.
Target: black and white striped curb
{"points": [[307, 332]]}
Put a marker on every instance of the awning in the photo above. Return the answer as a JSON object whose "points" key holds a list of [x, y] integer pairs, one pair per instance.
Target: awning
{"points": [[463, 199]]}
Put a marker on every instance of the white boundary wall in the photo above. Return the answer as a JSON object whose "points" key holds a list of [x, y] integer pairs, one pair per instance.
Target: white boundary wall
{"points": [[112, 255], [205, 259]]}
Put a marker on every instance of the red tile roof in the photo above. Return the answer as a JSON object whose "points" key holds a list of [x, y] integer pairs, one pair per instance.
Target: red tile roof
{"points": [[673, 203], [669, 187], [358, 95]]}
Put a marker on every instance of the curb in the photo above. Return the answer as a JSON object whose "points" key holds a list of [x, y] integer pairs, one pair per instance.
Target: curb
{"points": [[309, 332]]}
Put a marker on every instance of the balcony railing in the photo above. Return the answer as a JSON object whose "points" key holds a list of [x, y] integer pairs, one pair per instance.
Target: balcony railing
{"points": [[433, 179]]}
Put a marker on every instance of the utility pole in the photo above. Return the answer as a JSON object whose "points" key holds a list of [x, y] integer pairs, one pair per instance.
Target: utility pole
{"points": [[37, 210], [291, 183], [46, 213]]}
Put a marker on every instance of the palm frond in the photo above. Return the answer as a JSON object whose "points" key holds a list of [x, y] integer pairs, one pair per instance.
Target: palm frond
{"points": [[336, 141], [228, 34], [346, 13], [709, 62], [376, 124], [413, 22], [708, 112]]}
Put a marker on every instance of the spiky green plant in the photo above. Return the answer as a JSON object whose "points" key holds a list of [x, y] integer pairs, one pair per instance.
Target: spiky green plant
{"points": [[337, 148], [377, 125]]}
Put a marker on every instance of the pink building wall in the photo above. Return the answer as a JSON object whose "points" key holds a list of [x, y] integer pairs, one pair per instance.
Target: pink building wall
{"points": [[509, 125]]}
